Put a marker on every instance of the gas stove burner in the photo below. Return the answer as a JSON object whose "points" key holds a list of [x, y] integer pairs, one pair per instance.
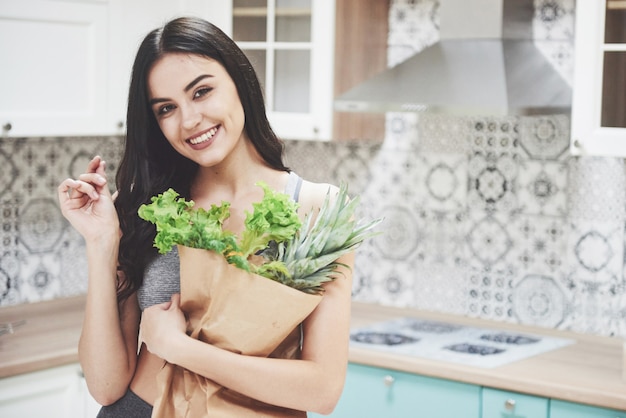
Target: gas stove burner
{"points": [[483, 350], [382, 338], [509, 338], [433, 327]]}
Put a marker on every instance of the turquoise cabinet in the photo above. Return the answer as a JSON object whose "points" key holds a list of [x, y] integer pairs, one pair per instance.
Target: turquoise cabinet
{"points": [[372, 392], [503, 404], [562, 409]]}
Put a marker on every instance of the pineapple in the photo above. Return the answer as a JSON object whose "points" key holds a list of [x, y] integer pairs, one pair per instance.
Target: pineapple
{"points": [[308, 260]]}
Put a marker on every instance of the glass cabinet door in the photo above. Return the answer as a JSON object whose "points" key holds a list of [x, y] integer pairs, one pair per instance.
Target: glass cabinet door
{"points": [[614, 68], [276, 37], [282, 42]]}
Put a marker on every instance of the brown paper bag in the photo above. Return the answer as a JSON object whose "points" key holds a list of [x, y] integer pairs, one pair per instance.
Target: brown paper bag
{"points": [[236, 311]]}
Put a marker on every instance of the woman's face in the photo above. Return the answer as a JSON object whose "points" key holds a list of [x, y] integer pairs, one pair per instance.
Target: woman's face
{"points": [[197, 107]]}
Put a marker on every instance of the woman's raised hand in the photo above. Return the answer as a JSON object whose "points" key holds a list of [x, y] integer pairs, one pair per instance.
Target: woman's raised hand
{"points": [[87, 203]]}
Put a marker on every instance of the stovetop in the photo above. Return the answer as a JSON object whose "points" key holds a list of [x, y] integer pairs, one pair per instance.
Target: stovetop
{"points": [[473, 346]]}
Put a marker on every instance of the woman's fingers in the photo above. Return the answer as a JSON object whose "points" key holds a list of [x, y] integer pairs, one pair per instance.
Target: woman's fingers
{"points": [[92, 182], [93, 165], [93, 178], [71, 189], [100, 177], [87, 204], [101, 169], [86, 184]]}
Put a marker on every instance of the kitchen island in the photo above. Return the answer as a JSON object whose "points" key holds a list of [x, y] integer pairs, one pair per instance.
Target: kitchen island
{"points": [[589, 371]]}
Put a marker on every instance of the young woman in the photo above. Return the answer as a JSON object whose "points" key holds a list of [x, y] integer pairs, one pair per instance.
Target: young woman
{"points": [[196, 123]]}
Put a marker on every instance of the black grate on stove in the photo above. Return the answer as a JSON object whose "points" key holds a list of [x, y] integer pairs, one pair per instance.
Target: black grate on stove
{"points": [[509, 339], [483, 350], [382, 338]]}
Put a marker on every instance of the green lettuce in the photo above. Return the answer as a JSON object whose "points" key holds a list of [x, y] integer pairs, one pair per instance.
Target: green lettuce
{"points": [[274, 219]]}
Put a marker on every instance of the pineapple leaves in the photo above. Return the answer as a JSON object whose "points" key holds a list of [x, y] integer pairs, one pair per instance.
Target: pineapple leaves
{"points": [[311, 254]]}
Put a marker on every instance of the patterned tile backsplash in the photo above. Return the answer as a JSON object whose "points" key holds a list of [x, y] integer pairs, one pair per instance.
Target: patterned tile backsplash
{"points": [[487, 217], [42, 257], [496, 231]]}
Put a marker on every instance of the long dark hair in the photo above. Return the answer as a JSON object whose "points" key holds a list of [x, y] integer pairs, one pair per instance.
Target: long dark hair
{"points": [[150, 165]]}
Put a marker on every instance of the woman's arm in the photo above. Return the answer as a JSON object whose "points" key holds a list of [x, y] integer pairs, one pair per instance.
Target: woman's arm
{"points": [[108, 343], [313, 384], [107, 348]]}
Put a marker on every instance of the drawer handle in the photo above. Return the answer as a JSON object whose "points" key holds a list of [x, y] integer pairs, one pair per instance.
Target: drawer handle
{"points": [[509, 404], [388, 380]]}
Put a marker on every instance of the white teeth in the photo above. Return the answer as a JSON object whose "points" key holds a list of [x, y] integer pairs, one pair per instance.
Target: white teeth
{"points": [[204, 137]]}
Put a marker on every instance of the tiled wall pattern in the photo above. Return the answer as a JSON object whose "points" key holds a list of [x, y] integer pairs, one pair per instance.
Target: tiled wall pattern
{"points": [[487, 217], [41, 256]]}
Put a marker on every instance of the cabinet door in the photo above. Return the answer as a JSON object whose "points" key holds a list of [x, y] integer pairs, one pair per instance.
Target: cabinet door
{"points": [[51, 393], [599, 90], [372, 392], [290, 45], [54, 67], [502, 404], [562, 409]]}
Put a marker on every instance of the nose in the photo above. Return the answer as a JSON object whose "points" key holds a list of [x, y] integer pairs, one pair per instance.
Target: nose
{"points": [[191, 117]]}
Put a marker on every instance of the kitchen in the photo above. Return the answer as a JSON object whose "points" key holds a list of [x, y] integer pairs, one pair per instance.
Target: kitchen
{"points": [[488, 217]]}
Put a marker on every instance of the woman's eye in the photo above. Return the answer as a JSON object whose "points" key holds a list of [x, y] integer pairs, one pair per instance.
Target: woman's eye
{"points": [[165, 109], [201, 92]]}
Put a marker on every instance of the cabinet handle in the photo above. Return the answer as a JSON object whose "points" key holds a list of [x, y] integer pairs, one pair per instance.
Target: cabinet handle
{"points": [[388, 380], [509, 404]]}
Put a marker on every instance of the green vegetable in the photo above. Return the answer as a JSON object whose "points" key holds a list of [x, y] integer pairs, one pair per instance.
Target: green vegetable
{"points": [[294, 253], [274, 218], [176, 224]]}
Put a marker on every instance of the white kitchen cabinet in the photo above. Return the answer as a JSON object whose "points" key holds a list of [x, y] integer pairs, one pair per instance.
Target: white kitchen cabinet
{"points": [[56, 392], [66, 64], [54, 64], [291, 46], [599, 90]]}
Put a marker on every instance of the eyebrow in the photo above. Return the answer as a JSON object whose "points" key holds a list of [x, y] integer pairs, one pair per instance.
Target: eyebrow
{"points": [[196, 81], [186, 89]]}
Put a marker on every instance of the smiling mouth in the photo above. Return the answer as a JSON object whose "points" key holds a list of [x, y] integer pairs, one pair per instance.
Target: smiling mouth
{"points": [[204, 137]]}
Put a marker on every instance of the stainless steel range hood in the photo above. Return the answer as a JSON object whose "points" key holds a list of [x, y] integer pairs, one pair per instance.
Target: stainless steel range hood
{"points": [[485, 63]]}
